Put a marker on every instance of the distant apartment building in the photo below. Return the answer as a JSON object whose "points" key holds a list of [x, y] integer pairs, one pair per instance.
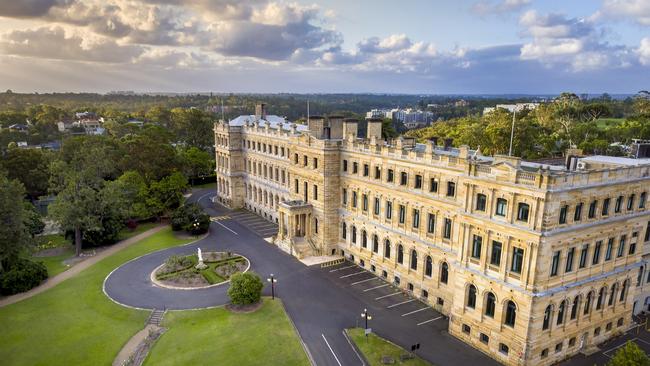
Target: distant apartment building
{"points": [[512, 107], [411, 118], [532, 263], [89, 122]]}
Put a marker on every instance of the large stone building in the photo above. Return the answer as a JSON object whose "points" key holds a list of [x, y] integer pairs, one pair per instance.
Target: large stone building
{"points": [[532, 263]]}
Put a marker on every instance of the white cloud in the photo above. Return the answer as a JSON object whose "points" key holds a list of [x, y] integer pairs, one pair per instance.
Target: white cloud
{"points": [[637, 10], [644, 51]]}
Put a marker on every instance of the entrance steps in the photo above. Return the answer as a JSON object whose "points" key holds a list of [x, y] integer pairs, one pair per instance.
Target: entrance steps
{"points": [[156, 317]]}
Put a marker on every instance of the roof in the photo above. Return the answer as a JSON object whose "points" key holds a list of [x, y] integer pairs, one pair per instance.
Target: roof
{"points": [[617, 160], [275, 122]]}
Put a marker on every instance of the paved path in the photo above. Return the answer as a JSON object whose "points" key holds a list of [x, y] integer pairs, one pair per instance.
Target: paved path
{"points": [[321, 303], [74, 270]]}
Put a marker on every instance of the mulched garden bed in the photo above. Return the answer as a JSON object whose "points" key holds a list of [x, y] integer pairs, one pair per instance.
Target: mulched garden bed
{"points": [[180, 271]]}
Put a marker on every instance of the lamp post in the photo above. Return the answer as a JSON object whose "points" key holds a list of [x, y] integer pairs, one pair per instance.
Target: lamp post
{"points": [[366, 317], [272, 280], [195, 228]]}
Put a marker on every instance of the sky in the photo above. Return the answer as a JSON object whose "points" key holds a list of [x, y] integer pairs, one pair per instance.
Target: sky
{"points": [[335, 46]]}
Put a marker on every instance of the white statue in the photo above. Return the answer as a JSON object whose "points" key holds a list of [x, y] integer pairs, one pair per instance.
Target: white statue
{"points": [[200, 265], [199, 255]]}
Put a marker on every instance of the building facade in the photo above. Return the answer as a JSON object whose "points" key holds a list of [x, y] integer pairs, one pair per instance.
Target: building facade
{"points": [[532, 263]]}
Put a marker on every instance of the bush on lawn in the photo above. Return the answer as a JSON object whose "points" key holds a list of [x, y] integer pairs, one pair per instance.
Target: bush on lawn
{"points": [[21, 276], [245, 288], [184, 218]]}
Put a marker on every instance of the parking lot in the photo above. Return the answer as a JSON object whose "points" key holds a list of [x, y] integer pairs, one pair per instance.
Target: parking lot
{"points": [[255, 223], [386, 300]]}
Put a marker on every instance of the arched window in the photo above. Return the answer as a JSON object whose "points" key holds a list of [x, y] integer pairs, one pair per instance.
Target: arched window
{"points": [[490, 304], [547, 317], [387, 248], [354, 234], [444, 272], [364, 239], [375, 243], [400, 254], [601, 298], [574, 307], [511, 313], [639, 278], [471, 296], [588, 303], [612, 294], [344, 231], [560, 313], [626, 284], [414, 260], [428, 266]]}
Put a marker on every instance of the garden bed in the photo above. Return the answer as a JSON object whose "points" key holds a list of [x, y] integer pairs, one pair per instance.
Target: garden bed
{"points": [[181, 271]]}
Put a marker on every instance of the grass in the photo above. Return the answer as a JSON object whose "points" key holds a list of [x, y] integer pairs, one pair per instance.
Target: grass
{"points": [[219, 337], [204, 185], [604, 123], [54, 264], [375, 347], [209, 273], [74, 323], [142, 227]]}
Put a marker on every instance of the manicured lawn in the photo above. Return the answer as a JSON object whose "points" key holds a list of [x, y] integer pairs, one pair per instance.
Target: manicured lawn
{"points": [[219, 337], [127, 233], [375, 347], [74, 323], [54, 264]]}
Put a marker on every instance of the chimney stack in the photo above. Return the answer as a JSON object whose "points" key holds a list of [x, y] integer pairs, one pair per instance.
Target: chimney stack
{"points": [[336, 127], [260, 110], [316, 124], [374, 128], [448, 142], [350, 127]]}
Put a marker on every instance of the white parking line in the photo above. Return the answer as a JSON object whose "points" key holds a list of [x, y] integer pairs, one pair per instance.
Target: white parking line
{"points": [[376, 287], [358, 282], [227, 228], [430, 320], [415, 311], [399, 303], [385, 296], [342, 268], [331, 350], [352, 274]]}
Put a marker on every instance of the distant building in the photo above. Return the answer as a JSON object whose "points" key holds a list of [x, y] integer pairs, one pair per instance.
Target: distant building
{"points": [[512, 107], [19, 127]]}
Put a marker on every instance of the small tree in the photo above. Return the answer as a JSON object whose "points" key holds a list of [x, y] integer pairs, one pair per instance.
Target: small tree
{"points": [[245, 288], [629, 355]]}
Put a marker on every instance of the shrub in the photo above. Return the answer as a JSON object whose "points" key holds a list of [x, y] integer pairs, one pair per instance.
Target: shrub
{"points": [[245, 288], [184, 218], [21, 276]]}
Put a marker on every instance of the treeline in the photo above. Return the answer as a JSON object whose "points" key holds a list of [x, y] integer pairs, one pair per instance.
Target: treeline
{"points": [[550, 129]]}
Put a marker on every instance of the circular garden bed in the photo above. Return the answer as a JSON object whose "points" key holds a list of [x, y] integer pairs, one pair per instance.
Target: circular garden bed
{"points": [[181, 271]]}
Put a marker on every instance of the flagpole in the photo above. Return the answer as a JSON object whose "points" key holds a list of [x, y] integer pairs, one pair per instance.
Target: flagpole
{"points": [[512, 130]]}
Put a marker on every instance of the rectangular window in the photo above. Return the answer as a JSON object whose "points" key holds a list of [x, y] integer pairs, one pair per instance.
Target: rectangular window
{"points": [[476, 246], [605, 210], [621, 246], [502, 205], [596, 257], [431, 223], [592, 209], [377, 172], [569, 260], [345, 196], [632, 248], [364, 202], [315, 163], [577, 214], [389, 210], [403, 180], [446, 233], [377, 208], [416, 218], [583, 256], [354, 199], [563, 211], [555, 263], [297, 186], [433, 185], [345, 165], [618, 204], [295, 158], [355, 167], [390, 177], [522, 212], [451, 189], [517, 260], [642, 199], [495, 255], [418, 182], [304, 160], [610, 247], [402, 214], [315, 192], [630, 202], [481, 202], [366, 170]]}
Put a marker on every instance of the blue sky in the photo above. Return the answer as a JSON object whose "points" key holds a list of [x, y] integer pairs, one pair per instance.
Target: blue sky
{"points": [[409, 46]]}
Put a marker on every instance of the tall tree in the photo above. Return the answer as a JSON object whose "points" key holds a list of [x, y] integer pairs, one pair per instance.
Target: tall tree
{"points": [[629, 355], [196, 163], [30, 167], [14, 236]]}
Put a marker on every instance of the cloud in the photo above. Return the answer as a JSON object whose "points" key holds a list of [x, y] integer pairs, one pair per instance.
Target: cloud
{"points": [[644, 51], [53, 43], [638, 10], [27, 8], [392, 43], [487, 7]]}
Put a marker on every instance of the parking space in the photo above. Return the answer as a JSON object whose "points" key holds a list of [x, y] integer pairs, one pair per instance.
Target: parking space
{"points": [[384, 298], [255, 223]]}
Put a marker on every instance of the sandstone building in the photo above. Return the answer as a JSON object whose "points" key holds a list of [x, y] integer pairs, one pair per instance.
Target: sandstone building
{"points": [[532, 263]]}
